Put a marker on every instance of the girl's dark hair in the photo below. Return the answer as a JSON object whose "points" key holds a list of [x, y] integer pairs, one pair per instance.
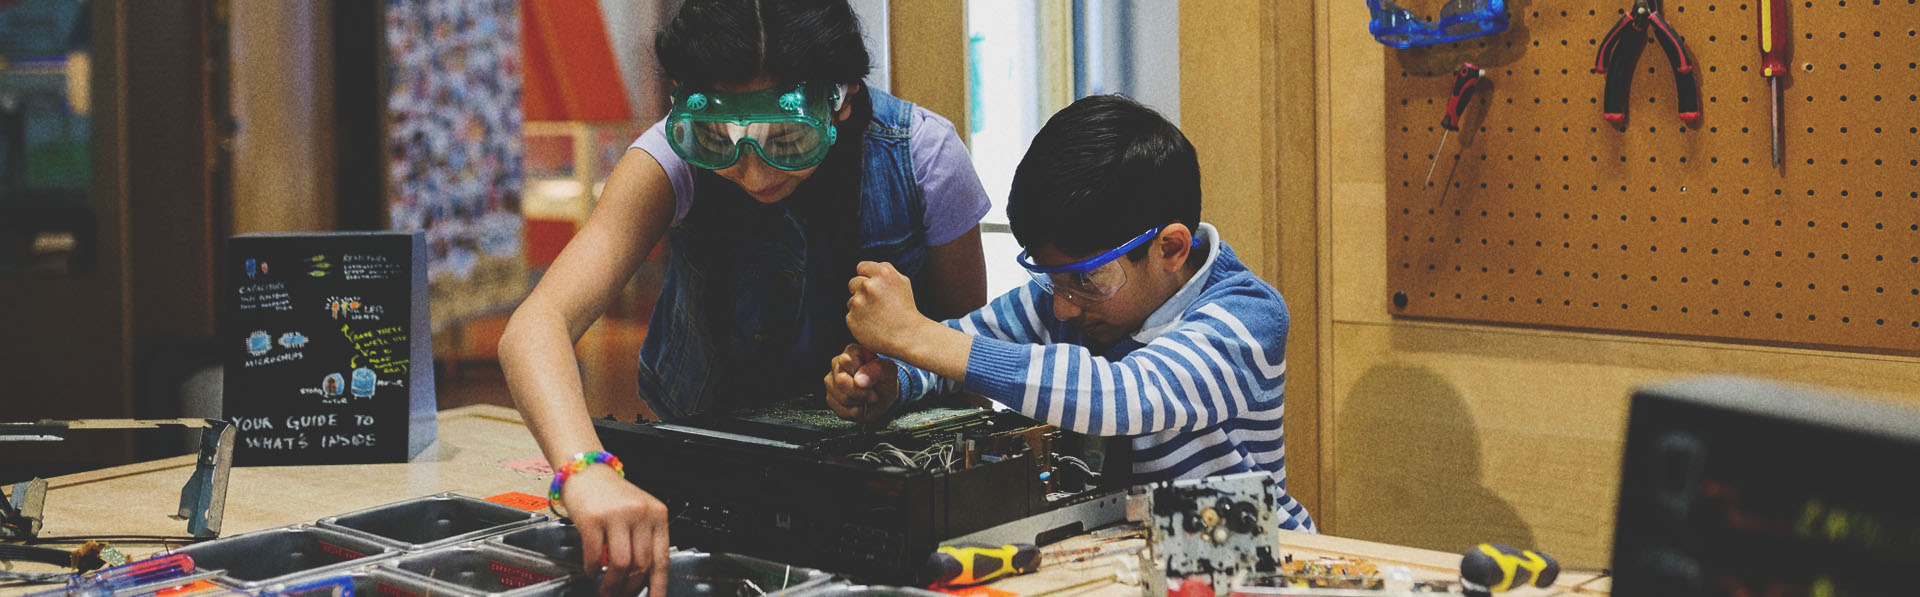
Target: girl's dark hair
{"points": [[791, 41], [735, 41]]}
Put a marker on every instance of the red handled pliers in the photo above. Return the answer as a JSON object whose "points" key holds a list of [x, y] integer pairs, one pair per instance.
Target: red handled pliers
{"points": [[1621, 50]]}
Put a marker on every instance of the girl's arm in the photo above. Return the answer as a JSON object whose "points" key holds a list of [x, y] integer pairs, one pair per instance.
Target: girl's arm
{"points": [[537, 347], [954, 282], [616, 519]]}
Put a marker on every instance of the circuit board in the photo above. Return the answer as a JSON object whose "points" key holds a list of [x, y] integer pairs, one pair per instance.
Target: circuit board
{"points": [[1220, 529], [945, 437]]}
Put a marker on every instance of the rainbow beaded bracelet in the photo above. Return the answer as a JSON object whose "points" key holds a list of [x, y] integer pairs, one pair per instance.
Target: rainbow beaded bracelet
{"points": [[580, 462]]}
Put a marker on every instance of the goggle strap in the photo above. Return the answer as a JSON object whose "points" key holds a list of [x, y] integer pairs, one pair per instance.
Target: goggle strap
{"points": [[1092, 263]]}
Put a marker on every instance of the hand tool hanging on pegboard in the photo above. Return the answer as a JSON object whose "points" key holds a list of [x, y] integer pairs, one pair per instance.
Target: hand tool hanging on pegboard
{"points": [[1620, 51], [1773, 60], [1466, 80]]}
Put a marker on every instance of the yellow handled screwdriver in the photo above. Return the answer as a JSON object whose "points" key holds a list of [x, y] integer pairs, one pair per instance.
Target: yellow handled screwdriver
{"points": [[969, 564], [1492, 568], [1773, 62]]}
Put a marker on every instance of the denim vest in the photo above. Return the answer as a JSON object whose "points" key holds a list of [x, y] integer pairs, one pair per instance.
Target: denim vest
{"points": [[748, 313]]}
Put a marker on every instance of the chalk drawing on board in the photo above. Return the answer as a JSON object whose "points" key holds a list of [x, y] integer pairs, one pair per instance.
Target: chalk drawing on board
{"points": [[353, 308], [265, 296], [369, 267], [259, 343], [342, 306], [375, 349], [318, 266], [364, 382], [256, 268]]}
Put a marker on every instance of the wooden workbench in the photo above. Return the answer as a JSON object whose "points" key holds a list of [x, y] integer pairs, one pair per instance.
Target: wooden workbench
{"points": [[480, 452]]}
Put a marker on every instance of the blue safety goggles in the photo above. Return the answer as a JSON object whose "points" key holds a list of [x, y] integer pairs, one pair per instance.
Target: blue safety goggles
{"points": [[1459, 19], [1089, 280]]}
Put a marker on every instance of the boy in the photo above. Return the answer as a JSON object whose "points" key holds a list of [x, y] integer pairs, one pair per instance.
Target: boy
{"points": [[1139, 321]]}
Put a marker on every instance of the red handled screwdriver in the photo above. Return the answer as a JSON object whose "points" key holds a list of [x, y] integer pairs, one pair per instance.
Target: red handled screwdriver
{"points": [[1465, 81], [1773, 62]]}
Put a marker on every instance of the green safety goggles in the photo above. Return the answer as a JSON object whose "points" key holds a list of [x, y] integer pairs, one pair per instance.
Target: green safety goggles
{"points": [[791, 127]]}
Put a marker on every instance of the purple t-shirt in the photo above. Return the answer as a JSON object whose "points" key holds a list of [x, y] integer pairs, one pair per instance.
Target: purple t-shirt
{"points": [[954, 197]]}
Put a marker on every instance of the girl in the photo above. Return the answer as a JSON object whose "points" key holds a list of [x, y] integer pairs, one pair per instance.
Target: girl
{"points": [[774, 173]]}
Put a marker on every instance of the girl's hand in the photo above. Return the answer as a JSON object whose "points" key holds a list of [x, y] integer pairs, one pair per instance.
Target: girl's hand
{"points": [[620, 527]]}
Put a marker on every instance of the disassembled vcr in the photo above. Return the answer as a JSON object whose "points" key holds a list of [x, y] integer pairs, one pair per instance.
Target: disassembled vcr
{"points": [[793, 483]]}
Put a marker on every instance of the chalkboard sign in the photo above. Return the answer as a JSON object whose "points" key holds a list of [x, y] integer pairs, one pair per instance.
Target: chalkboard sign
{"points": [[329, 353]]}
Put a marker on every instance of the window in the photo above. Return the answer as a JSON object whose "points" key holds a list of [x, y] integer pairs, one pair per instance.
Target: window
{"points": [[1026, 59]]}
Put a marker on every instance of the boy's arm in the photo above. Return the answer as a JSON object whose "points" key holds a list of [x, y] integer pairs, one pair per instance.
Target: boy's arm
{"points": [[1210, 369], [1013, 317], [917, 383]]}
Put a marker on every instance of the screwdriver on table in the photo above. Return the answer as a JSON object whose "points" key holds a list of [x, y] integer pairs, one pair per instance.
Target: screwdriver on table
{"points": [[1492, 568], [1465, 81], [113, 579], [969, 564], [1773, 63]]}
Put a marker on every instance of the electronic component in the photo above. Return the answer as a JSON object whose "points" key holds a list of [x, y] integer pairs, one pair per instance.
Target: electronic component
{"points": [[793, 483], [1089, 510], [1218, 529], [1335, 573], [1741, 487], [1342, 577]]}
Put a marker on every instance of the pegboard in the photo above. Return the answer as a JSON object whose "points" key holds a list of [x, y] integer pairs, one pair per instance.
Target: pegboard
{"points": [[1543, 214]]}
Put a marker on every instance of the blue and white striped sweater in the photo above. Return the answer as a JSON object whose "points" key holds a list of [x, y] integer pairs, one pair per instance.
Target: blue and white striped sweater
{"points": [[1198, 388]]}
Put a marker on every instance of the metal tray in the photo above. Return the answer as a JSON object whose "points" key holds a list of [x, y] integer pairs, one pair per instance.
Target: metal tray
{"points": [[260, 557], [556, 540], [433, 521], [486, 569], [366, 581], [701, 574], [693, 573]]}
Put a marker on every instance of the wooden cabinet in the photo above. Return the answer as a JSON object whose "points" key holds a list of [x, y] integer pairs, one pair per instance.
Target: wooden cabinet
{"points": [[124, 265]]}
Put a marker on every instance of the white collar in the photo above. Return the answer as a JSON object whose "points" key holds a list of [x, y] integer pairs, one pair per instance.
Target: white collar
{"points": [[1168, 316]]}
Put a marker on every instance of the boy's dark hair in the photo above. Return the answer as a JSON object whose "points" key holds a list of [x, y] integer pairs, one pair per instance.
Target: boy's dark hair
{"points": [[734, 41], [1101, 172]]}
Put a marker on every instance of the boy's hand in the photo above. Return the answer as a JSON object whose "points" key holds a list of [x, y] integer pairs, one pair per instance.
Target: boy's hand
{"points": [[861, 387], [881, 313]]}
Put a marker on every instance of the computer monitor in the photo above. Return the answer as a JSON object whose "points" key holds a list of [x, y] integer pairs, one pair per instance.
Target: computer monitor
{"points": [[1742, 487]]}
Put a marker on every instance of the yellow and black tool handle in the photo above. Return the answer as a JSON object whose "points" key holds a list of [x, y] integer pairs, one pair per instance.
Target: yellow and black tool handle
{"points": [[1493, 568], [970, 564]]}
